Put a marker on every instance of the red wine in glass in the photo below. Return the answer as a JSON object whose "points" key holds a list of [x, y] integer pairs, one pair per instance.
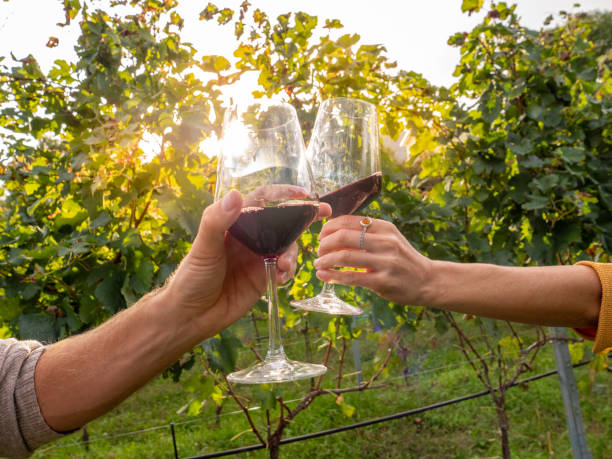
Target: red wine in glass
{"points": [[345, 164], [263, 157], [354, 196], [269, 231]]}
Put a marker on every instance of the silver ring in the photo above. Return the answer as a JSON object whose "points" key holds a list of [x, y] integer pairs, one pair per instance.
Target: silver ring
{"points": [[365, 224]]}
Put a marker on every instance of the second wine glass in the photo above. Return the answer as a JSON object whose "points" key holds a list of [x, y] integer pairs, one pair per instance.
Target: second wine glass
{"points": [[263, 158], [345, 163]]}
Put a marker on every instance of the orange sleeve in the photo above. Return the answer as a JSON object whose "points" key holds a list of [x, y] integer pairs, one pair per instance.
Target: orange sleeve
{"points": [[603, 334]]}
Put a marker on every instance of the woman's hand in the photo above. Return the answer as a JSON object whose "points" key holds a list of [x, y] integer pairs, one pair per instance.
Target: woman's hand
{"points": [[392, 267]]}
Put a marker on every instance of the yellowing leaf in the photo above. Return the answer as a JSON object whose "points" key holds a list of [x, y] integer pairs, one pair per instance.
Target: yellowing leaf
{"points": [[71, 214], [240, 434], [348, 410], [31, 187], [471, 5], [576, 351]]}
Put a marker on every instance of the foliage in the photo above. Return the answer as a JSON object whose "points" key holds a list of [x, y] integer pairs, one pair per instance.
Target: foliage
{"points": [[511, 165], [535, 412], [527, 166], [89, 222]]}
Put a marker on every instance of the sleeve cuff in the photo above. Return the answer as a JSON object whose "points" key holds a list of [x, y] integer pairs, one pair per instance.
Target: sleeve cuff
{"points": [[34, 428], [603, 336]]}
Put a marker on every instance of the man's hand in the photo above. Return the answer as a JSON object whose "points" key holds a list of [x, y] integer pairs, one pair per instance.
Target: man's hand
{"points": [[82, 377], [220, 279]]}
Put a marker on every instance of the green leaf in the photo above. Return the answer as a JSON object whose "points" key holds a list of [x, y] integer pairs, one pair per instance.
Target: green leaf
{"points": [[535, 112], [348, 40], [566, 234], [203, 387], [71, 214], [30, 188], [102, 219], [572, 154], [143, 276], [72, 320], [536, 202], [195, 407], [88, 309], [9, 308], [30, 291], [165, 270], [222, 351], [441, 324], [127, 292], [108, 293], [522, 148], [38, 326]]}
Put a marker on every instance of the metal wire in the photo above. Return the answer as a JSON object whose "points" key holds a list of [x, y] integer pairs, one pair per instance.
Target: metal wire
{"points": [[376, 420], [236, 412]]}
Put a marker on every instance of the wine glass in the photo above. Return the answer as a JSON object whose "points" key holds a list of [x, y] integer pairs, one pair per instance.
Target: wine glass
{"points": [[263, 157], [345, 163]]}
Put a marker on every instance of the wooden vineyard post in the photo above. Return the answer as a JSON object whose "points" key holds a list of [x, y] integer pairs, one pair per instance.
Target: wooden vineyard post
{"points": [[569, 393]]}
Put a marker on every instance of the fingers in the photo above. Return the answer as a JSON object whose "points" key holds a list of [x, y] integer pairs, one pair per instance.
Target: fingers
{"points": [[324, 211], [342, 222], [216, 220], [352, 222], [269, 193], [347, 258], [338, 240], [355, 278], [286, 264]]}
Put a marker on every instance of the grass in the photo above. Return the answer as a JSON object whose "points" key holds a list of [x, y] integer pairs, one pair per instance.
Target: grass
{"points": [[464, 430]]}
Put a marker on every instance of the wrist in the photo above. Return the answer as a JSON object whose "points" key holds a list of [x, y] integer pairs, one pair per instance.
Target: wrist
{"points": [[176, 327], [435, 283]]}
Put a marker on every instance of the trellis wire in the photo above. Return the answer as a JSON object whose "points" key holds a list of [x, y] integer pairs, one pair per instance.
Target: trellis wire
{"points": [[254, 408], [315, 434], [376, 420]]}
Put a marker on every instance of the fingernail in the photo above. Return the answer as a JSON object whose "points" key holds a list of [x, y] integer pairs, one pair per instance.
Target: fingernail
{"points": [[230, 201], [297, 191], [316, 263]]}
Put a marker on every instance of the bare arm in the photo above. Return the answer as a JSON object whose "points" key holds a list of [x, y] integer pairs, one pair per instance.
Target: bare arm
{"points": [[555, 295], [82, 377]]}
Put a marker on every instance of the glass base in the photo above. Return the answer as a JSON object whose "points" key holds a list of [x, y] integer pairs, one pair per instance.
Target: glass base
{"points": [[276, 371], [328, 303]]}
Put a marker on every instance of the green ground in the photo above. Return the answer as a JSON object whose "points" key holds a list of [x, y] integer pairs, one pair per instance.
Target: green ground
{"points": [[467, 429]]}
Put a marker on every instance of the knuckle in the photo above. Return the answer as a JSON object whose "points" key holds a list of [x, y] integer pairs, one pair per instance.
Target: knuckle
{"points": [[349, 276], [387, 244], [386, 226], [343, 238], [343, 220], [347, 258]]}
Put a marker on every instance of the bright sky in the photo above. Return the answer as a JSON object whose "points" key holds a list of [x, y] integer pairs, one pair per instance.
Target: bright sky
{"points": [[414, 32]]}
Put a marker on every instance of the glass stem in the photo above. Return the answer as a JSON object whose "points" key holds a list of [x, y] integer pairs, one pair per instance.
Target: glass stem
{"points": [[275, 344], [328, 289]]}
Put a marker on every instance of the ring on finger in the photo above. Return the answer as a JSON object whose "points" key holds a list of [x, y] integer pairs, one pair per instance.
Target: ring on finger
{"points": [[365, 224]]}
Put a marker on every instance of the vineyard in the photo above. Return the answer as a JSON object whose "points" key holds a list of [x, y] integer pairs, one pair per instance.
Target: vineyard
{"points": [[109, 161]]}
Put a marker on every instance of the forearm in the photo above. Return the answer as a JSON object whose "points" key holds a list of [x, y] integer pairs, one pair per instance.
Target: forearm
{"points": [[82, 377], [554, 295]]}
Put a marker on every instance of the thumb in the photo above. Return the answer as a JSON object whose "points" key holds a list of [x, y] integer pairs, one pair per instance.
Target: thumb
{"points": [[216, 220]]}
